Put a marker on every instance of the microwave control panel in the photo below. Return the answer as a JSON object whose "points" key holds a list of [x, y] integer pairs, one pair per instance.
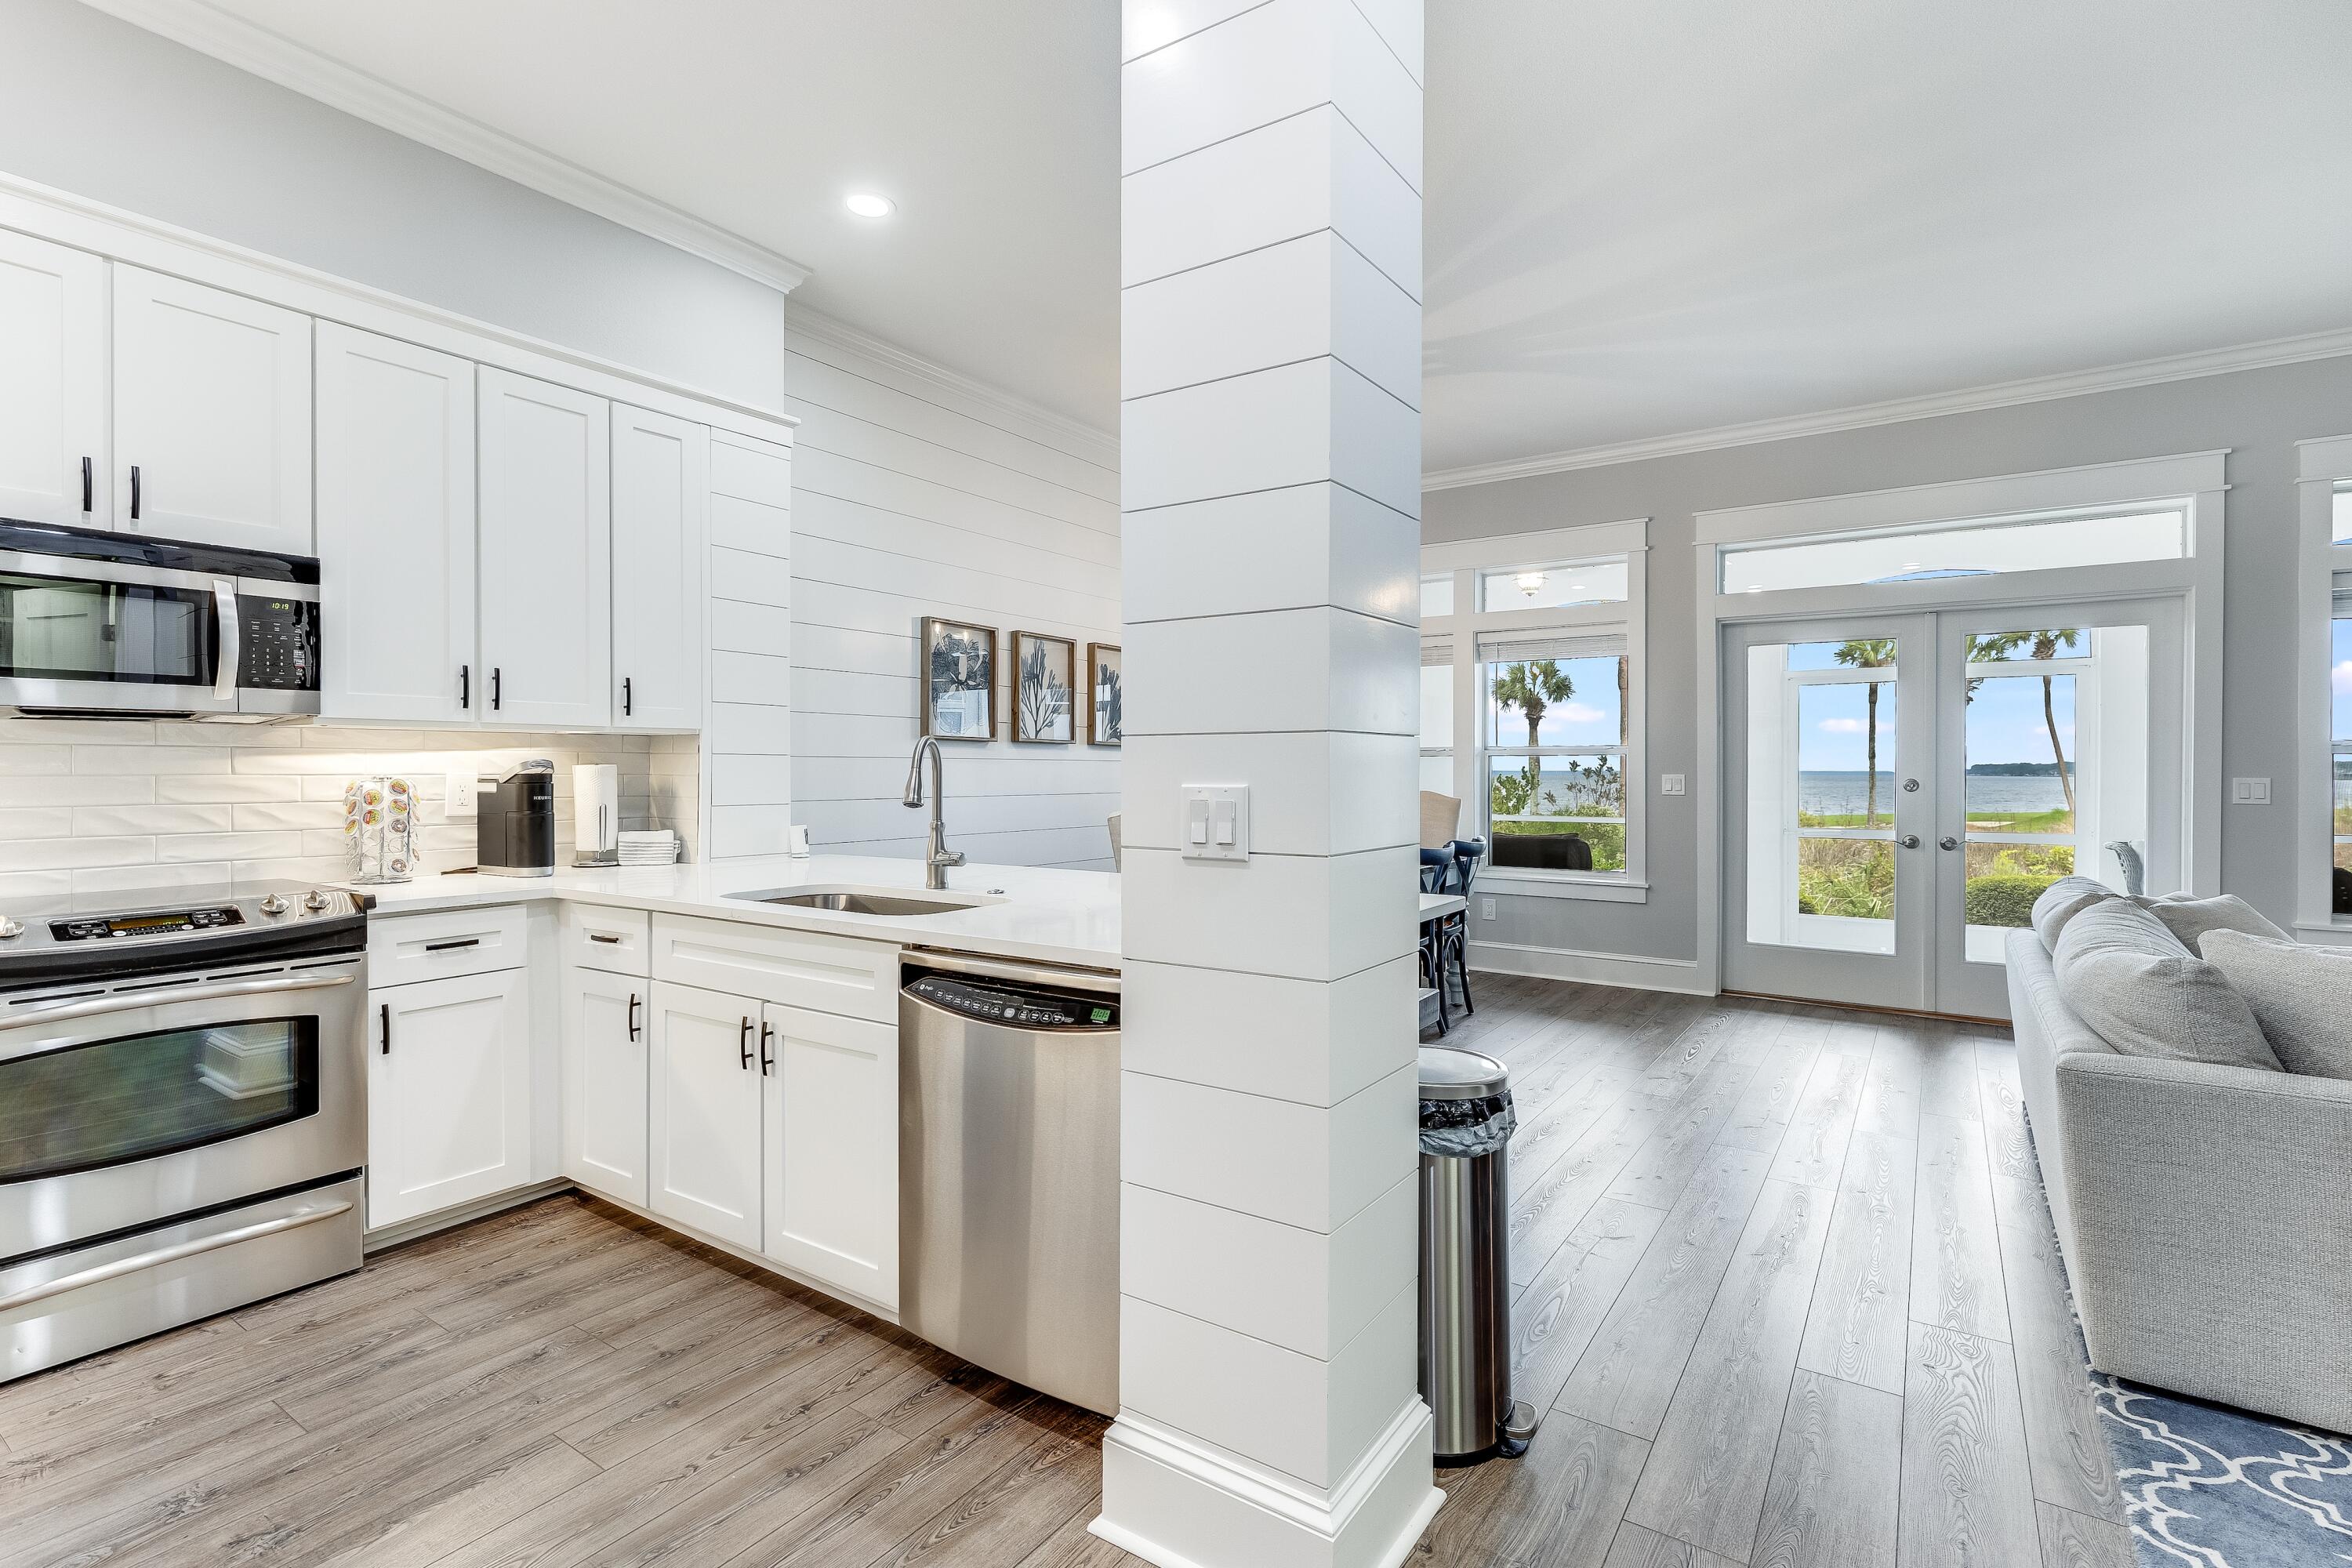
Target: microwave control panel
{"points": [[277, 643]]}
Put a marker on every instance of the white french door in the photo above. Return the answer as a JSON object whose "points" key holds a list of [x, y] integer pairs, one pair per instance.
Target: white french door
{"points": [[1903, 786]]}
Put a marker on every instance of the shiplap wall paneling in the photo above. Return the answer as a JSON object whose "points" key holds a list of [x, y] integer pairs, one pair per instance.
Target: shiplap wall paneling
{"points": [[912, 500], [749, 742]]}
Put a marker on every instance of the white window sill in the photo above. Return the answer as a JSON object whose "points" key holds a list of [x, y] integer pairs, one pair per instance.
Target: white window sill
{"points": [[1517, 883], [2337, 930]]}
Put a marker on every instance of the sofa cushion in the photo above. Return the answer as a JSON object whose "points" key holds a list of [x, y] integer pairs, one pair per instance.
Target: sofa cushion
{"points": [[2302, 997], [2189, 919], [2147, 996], [2062, 900]]}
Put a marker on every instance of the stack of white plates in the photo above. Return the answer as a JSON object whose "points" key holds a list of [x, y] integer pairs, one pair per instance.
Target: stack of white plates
{"points": [[658, 848]]}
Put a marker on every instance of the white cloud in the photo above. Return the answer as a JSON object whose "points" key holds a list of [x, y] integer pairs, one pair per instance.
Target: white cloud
{"points": [[1842, 726], [1578, 713], [2340, 677]]}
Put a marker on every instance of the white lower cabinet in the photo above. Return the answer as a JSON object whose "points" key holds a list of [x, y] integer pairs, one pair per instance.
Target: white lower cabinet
{"points": [[832, 1162], [603, 1056], [449, 1093], [705, 1108]]}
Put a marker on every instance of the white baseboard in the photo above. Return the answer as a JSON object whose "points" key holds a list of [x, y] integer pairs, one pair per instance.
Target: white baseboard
{"points": [[1625, 969], [1176, 1504]]}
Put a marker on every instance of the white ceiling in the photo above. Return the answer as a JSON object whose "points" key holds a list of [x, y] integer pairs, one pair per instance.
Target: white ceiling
{"points": [[1641, 219]]}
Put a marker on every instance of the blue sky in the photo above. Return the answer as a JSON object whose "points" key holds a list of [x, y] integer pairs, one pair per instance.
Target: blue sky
{"points": [[2005, 724], [1590, 718]]}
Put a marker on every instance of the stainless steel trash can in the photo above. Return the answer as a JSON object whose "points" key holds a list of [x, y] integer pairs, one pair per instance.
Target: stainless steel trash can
{"points": [[1466, 1123]]}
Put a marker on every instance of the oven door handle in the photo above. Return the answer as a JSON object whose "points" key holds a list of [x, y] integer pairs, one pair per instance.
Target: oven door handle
{"points": [[164, 997], [225, 602], [99, 1273]]}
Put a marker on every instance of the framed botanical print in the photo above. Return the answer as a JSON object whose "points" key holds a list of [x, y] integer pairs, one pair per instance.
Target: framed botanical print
{"points": [[958, 680], [1102, 694], [1045, 690]]}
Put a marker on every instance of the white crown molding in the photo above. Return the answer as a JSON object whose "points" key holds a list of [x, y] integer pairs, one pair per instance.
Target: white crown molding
{"points": [[2002, 395], [1100, 447], [264, 53]]}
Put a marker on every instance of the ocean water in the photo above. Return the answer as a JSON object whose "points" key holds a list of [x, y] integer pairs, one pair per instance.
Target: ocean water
{"points": [[1846, 794]]}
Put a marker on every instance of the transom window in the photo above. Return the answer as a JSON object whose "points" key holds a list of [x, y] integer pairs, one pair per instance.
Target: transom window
{"points": [[1979, 548]]}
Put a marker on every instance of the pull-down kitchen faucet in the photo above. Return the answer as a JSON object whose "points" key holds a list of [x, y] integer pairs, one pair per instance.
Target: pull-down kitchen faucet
{"points": [[938, 857]]}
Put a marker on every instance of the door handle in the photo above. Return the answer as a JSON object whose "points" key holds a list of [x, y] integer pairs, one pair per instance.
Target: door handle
{"points": [[743, 1044], [224, 604], [388, 1028], [172, 1254], [86, 496], [134, 492], [166, 996], [1909, 841], [633, 1015], [767, 1062], [1948, 842]]}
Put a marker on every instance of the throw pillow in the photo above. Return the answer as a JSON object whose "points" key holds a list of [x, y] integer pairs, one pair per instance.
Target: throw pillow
{"points": [[2147, 996], [2189, 919], [2302, 997], [2061, 901]]}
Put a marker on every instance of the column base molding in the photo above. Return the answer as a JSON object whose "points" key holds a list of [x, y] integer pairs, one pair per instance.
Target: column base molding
{"points": [[1177, 1503]]}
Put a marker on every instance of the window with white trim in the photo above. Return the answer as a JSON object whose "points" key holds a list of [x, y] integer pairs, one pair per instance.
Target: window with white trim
{"points": [[2323, 796], [2339, 702], [1531, 705]]}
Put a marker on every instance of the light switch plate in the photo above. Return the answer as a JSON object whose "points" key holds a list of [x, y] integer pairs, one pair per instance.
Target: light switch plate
{"points": [[1670, 784], [1216, 822], [457, 793], [1486, 908], [2249, 792]]}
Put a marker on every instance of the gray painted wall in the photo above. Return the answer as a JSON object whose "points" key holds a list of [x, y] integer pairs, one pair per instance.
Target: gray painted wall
{"points": [[2258, 414], [107, 110]]}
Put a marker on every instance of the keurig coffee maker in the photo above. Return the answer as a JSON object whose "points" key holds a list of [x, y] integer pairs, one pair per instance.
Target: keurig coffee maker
{"points": [[514, 823]]}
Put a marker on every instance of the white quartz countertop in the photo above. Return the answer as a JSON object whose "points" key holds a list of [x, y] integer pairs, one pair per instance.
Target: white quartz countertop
{"points": [[1048, 916]]}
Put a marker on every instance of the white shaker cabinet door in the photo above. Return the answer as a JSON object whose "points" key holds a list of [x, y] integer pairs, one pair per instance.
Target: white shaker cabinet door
{"points": [[605, 1018], [661, 485], [832, 1087], [706, 1107], [53, 466], [212, 416], [546, 556], [449, 1093], [395, 528]]}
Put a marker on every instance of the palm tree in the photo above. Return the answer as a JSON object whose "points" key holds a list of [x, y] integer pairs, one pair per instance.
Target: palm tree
{"points": [[1532, 687], [2042, 645], [1869, 652]]}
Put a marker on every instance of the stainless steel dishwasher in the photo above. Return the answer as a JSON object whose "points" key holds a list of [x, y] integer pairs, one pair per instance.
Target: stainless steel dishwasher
{"points": [[1008, 1169]]}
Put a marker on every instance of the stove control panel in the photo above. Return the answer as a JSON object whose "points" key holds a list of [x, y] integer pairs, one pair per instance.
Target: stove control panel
{"points": [[165, 922]]}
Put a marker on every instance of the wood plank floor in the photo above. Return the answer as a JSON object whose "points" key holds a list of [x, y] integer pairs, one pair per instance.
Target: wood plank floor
{"points": [[1785, 1284]]}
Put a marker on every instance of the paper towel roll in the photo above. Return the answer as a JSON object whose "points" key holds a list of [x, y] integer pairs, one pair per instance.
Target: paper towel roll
{"points": [[595, 814]]}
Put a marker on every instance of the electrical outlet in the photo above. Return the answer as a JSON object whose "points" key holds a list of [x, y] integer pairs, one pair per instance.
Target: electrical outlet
{"points": [[458, 792], [1486, 908], [1670, 784], [2249, 792]]}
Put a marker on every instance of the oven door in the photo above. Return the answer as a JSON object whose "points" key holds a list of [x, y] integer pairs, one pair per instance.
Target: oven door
{"points": [[120, 634], [121, 1110]]}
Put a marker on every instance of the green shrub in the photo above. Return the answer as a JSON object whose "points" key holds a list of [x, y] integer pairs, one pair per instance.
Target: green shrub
{"points": [[2003, 900]]}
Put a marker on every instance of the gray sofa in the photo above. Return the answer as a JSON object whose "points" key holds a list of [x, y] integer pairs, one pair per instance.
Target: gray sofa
{"points": [[2205, 1213]]}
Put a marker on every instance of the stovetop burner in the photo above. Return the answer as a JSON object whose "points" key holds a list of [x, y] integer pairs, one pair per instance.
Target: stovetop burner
{"points": [[175, 929]]}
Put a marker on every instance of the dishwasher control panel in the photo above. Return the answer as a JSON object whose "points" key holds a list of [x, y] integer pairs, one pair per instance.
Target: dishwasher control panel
{"points": [[1022, 1009]]}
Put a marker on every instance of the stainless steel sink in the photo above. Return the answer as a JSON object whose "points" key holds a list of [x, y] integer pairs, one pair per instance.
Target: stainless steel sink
{"points": [[861, 903]]}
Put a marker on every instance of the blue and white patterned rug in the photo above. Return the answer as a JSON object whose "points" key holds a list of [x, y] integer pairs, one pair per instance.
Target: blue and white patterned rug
{"points": [[2210, 1487]]}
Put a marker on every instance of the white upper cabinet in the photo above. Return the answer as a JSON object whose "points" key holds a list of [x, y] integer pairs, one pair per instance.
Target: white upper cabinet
{"points": [[661, 482], [212, 416], [395, 529], [53, 465], [546, 586]]}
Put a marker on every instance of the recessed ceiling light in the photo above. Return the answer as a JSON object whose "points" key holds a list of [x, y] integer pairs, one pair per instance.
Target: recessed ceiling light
{"points": [[869, 203]]}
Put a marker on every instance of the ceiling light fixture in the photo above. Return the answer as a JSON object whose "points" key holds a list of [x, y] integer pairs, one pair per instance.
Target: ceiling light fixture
{"points": [[1530, 583], [869, 203]]}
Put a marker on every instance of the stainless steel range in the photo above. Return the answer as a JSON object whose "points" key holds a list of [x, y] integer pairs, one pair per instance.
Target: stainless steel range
{"points": [[182, 1113]]}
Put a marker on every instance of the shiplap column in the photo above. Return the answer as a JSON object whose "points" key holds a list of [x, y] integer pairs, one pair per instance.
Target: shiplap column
{"points": [[1270, 462]]}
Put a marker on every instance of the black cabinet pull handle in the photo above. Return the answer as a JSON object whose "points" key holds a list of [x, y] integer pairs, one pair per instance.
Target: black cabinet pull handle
{"points": [[628, 703], [134, 492], [608, 937], [767, 1062], [494, 688], [85, 485], [632, 1014], [743, 1044], [452, 947], [388, 1028], [466, 686]]}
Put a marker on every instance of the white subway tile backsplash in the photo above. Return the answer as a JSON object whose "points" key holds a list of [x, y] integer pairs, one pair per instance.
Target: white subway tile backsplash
{"points": [[120, 759], [46, 822], [36, 759], [68, 854], [214, 788], [66, 789], [97, 821]]}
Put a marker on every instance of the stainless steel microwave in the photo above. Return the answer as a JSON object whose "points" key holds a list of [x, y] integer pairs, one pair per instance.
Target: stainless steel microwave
{"points": [[113, 625]]}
